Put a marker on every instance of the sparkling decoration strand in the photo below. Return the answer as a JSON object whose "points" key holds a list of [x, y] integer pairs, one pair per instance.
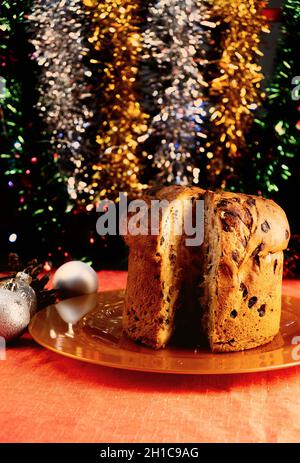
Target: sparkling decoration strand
{"points": [[175, 41], [11, 124], [236, 91], [121, 122], [65, 103]]}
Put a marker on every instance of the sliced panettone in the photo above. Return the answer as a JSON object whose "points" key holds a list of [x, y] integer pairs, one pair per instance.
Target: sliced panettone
{"points": [[242, 260], [161, 271]]}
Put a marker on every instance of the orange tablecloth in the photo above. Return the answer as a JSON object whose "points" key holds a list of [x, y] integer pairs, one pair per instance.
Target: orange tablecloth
{"points": [[48, 398]]}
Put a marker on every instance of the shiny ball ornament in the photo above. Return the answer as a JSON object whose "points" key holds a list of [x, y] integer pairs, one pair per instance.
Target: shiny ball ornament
{"points": [[18, 304], [14, 314], [21, 285], [76, 278]]}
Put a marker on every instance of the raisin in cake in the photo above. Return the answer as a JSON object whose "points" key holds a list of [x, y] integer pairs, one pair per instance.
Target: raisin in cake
{"points": [[161, 271], [243, 258]]}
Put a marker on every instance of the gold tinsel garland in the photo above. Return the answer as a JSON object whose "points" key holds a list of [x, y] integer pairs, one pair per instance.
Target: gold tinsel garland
{"points": [[236, 91], [117, 41]]}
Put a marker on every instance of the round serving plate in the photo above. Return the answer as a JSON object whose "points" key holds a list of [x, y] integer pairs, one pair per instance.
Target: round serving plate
{"points": [[89, 328]]}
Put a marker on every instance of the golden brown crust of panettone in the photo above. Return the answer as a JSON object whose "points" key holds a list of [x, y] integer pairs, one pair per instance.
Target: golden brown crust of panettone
{"points": [[150, 300], [243, 256]]}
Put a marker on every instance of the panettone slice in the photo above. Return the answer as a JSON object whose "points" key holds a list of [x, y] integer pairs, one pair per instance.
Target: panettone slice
{"points": [[162, 273]]}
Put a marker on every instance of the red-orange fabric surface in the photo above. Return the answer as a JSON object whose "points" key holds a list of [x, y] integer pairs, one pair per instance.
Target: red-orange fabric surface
{"points": [[45, 397]]}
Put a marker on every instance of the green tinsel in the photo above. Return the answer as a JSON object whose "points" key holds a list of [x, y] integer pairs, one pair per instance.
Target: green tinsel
{"points": [[275, 138], [34, 191], [11, 128]]}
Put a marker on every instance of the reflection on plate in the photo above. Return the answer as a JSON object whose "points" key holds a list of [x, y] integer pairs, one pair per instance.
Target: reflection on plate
{"points": [[89, 328]]}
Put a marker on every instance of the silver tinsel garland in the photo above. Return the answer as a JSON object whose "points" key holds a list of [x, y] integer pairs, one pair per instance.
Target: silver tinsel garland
{"points": [[65, 103], [175, 42]]}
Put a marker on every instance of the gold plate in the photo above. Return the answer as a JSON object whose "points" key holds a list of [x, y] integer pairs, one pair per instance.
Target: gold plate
{"points": [[89, 328]]}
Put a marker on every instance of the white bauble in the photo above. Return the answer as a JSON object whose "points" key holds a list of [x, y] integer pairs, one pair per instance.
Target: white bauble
{"points": [[76, 277]]}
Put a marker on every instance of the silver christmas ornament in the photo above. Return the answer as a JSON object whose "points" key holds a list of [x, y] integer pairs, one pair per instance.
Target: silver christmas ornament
{"points": [[17, 305]]}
